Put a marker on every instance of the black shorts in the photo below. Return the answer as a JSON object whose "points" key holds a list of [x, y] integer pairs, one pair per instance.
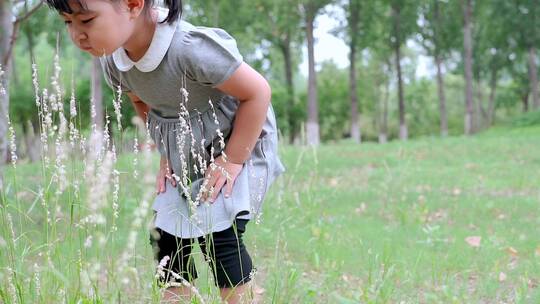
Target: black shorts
{"points": [[224, 251]]}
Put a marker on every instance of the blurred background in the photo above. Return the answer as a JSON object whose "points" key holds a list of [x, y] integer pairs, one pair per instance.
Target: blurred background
{"points": [[340, 69]]}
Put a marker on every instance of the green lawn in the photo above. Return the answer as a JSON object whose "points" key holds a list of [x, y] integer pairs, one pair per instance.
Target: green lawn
{"points": [[346, 224], [387, 223]]}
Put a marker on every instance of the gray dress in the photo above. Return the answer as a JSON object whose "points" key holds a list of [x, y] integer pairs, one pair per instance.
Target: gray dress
{"points": [[190, 119]]}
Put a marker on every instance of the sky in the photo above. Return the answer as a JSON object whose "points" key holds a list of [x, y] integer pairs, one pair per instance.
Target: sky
{"points": [[329, 47]]}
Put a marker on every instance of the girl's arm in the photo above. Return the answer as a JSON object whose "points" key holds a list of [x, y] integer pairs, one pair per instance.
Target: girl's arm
{"points": [[140, 107], [254, 93]]}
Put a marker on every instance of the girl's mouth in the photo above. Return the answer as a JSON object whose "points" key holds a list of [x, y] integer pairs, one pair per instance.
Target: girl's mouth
{"points": [[85, 48]]}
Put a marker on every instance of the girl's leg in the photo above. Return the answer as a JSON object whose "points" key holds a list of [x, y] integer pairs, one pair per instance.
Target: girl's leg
{"points": [[174, 254], [230, 262], [241, 294], [176, 295]]}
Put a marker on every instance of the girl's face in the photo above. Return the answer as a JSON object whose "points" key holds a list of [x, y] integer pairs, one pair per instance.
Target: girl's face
{"points": [[101, 26]]}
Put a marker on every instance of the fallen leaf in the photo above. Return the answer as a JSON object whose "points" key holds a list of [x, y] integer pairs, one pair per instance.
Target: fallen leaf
{"points": [[456, 191], [537, 251], [470, 166], [473, 241], [502, 276], [512, 251], [361, 209]]}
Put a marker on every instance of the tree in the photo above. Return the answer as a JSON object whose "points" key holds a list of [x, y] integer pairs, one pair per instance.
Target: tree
{"points": [[467, 7], [357, 34], [10, 23], [437, 36], [527, 23], [492, 50], [278, 24], [310, 10], [403, 15]]}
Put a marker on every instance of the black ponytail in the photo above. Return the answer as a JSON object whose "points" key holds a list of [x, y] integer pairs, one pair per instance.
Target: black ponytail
{"points": [[174, 6], [175, 10]]}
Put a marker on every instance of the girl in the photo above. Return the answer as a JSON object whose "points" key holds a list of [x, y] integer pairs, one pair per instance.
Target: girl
{"points": [[210, 116]]}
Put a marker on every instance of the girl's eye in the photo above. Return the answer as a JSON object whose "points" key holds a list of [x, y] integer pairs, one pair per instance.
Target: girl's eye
{"points": [[87, 20], [67, 22]]}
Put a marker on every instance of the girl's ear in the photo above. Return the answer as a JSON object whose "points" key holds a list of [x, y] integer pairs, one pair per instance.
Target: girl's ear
{"points": [[135, 7]]}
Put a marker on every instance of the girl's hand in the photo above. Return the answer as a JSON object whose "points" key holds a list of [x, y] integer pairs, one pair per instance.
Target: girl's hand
{"points": [[164, 173], [222, 173]]}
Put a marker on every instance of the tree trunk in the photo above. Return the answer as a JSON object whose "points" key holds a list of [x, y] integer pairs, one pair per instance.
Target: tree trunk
{"points": [[480, 112], [354, 11], [30, 40], [97, 95], [286, 51], [32, 142], [533, 78], [467, 46], [6, 18], [383, 130], [442, 98], [312, 127], [403, 133], [356, 133], [491, 102], [525, 101]]}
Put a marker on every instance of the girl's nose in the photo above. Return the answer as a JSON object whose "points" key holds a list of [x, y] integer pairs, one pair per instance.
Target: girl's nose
{"points": [[77, 35], [81, 36]]}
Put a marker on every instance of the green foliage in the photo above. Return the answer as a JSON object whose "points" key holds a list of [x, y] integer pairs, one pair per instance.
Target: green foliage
{"points": [[333, 102], [527, 120], [263, 29]]}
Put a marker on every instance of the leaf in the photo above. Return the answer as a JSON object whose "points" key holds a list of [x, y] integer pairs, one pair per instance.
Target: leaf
{"points": [[512, 251], [361, 209], [502, 276], [473, 241]]}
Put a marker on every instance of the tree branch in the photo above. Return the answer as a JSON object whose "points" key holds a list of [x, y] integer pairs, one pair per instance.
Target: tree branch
{"points": [[15, 31], [29, 13]]}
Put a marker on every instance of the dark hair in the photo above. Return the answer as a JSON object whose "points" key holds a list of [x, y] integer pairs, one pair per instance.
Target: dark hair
{"points": [[175, 7]]}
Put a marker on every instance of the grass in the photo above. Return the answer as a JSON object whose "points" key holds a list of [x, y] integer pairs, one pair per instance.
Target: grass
{"points": [[346, 224], [377, 224]]}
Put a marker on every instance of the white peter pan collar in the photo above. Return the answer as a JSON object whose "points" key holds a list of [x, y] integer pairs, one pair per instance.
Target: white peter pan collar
{"points": [[154, 55]]}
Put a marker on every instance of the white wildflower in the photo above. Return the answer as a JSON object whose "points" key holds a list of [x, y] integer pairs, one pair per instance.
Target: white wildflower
{"points": [[72, 104], [117, 103], [135, 157], [36, 85], [160, 271], [12, 143], [60, 167], [88, 242], [11, 286], [2, 89], [37, 281]]}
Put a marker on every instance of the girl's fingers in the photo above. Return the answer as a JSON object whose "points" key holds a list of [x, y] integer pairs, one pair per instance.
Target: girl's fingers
{"points": [[228, 187], [209, 189], [171, 178], [217, 188], [160, 184]]}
